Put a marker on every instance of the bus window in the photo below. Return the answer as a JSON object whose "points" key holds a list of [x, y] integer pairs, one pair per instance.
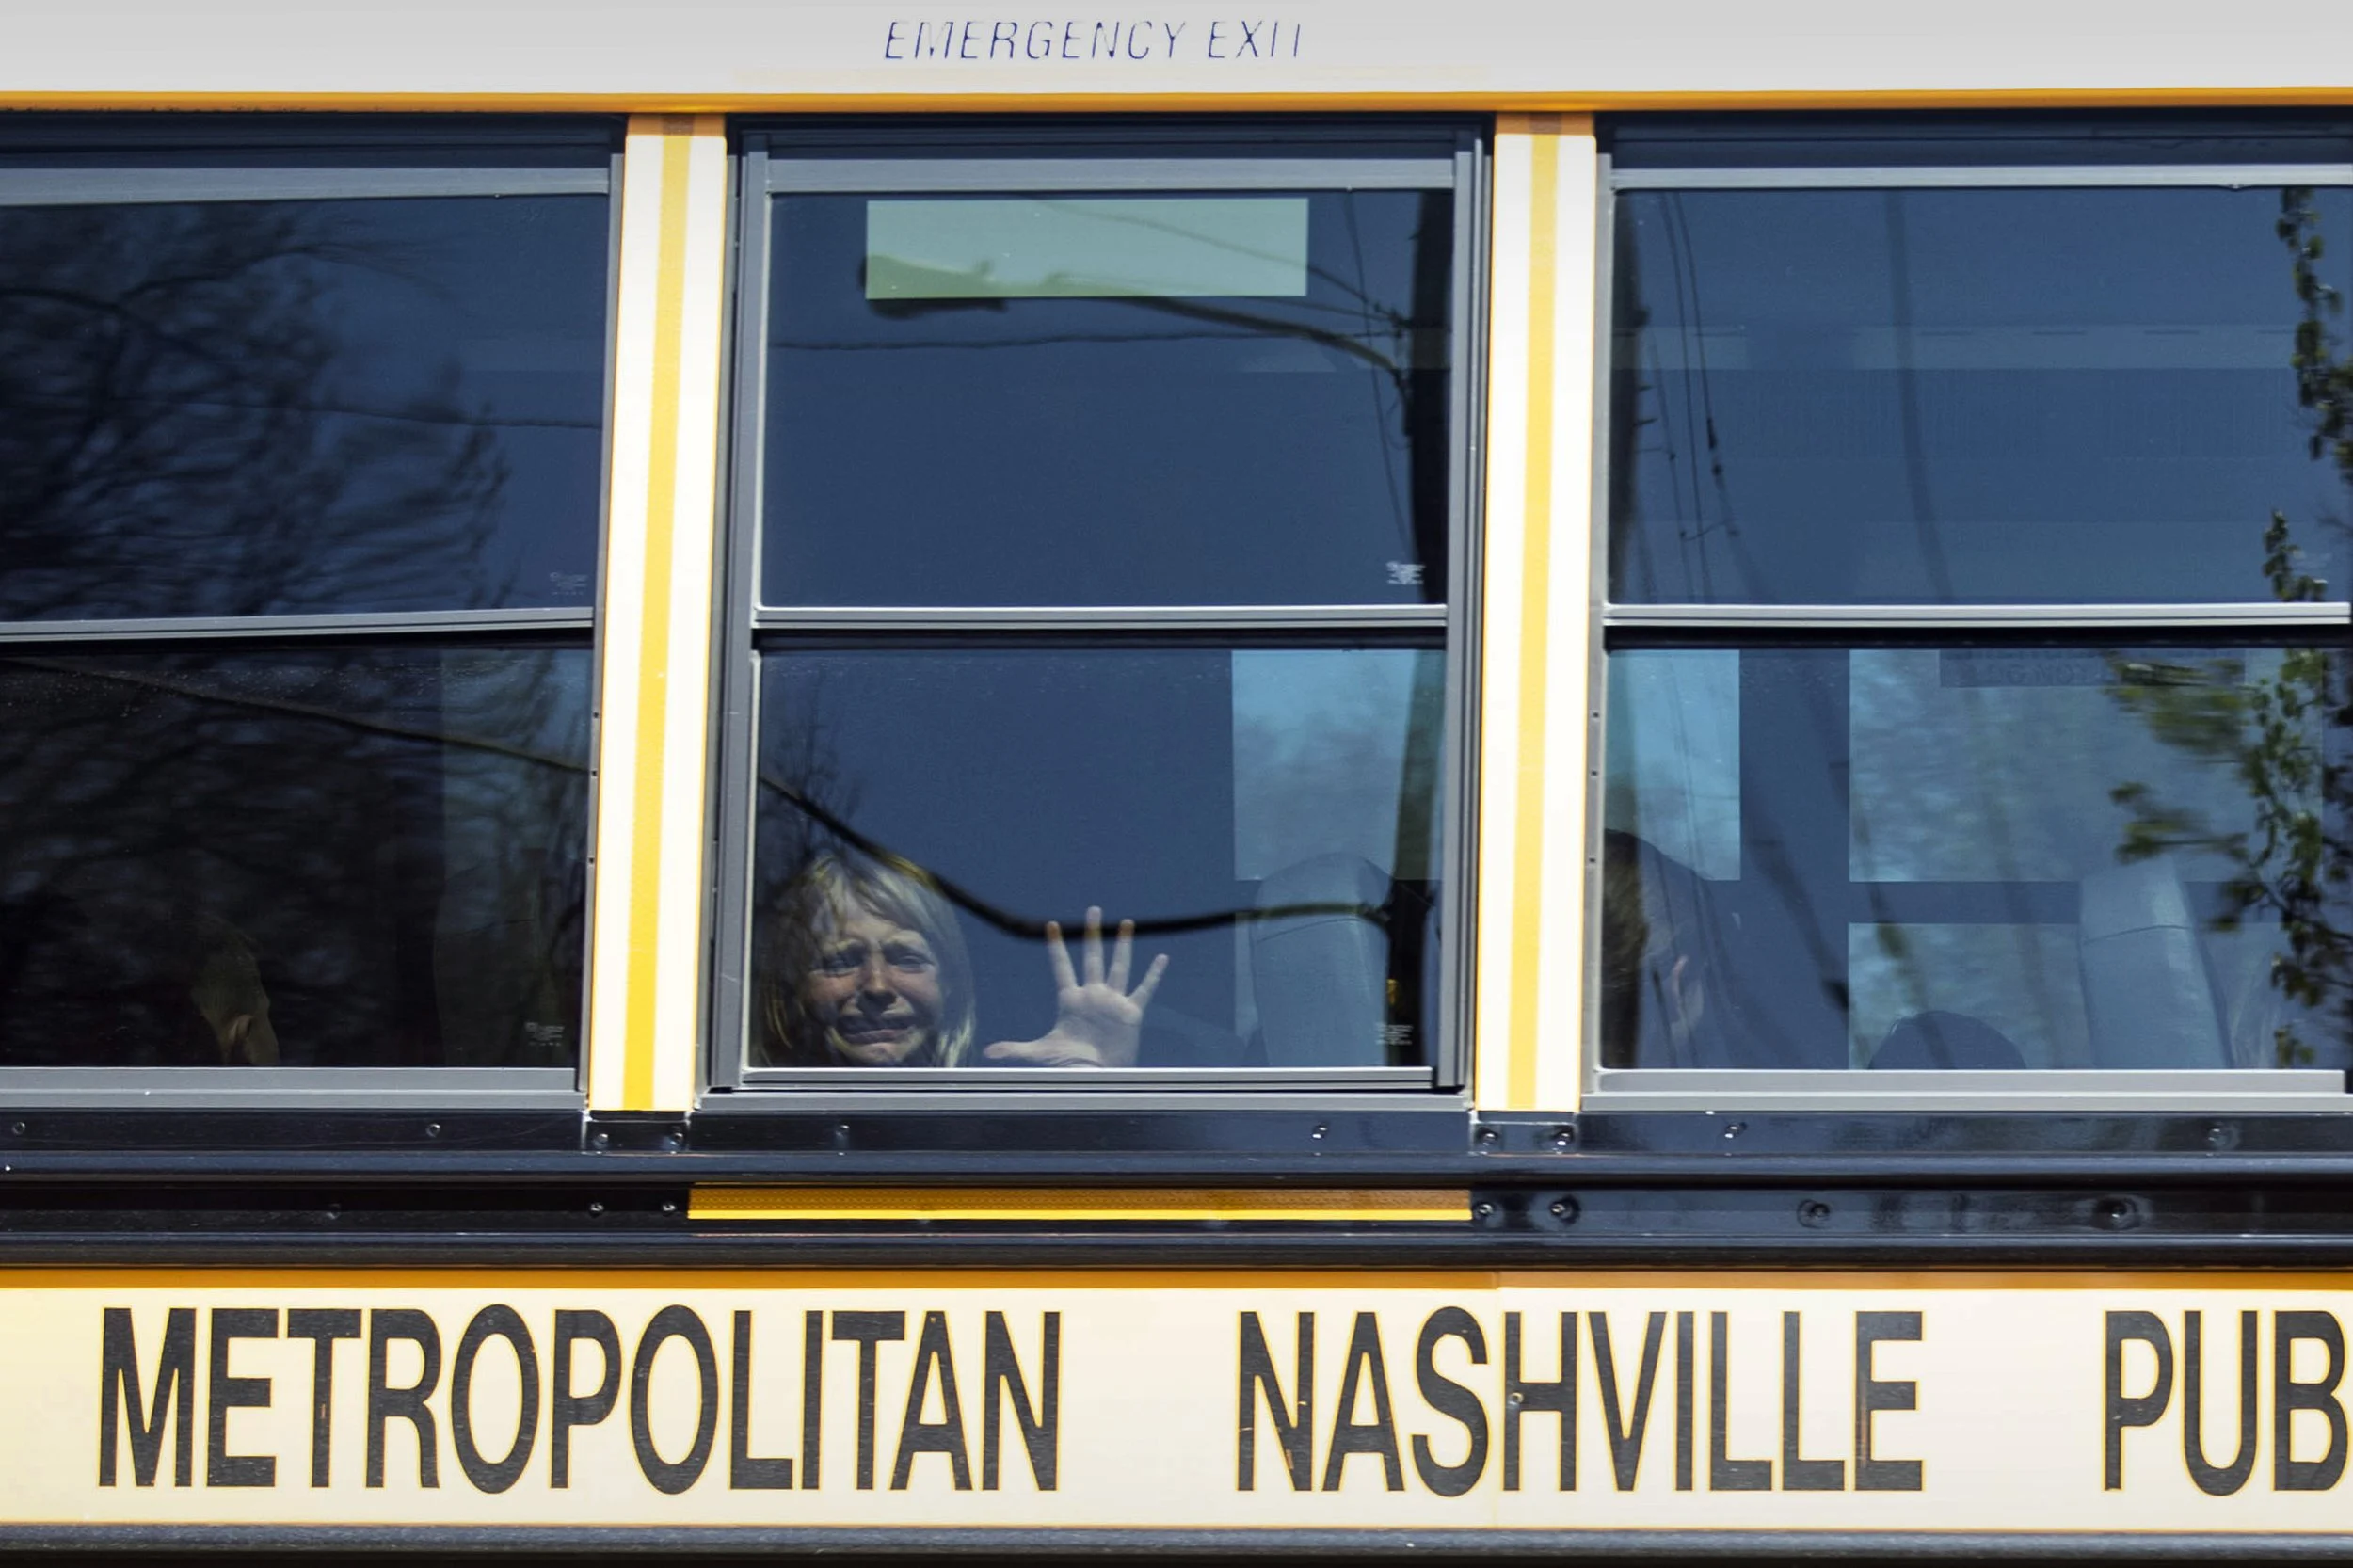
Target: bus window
{"points": [[1996, 857], [1249, 804], [1970, 725], [1094, 559], [1109, 400], [368, 856], [299, 496], [2048, 396], [253, 408]]}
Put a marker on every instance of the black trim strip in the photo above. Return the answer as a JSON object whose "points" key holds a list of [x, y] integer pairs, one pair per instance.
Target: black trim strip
{"points": [[198, 138], [1413, 1144], [1931, 137], [1230, 1249], [639, 1225]]}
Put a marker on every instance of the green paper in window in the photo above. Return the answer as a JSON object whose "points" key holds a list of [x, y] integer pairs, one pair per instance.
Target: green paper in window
{"points": [[1089, 247]]}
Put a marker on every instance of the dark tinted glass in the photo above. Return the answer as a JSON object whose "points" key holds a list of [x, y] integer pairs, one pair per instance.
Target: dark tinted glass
{"points": [[354, 857], [1987, 858], [1266, 817], [1945, 396], [251, 407], [1061, 401]]}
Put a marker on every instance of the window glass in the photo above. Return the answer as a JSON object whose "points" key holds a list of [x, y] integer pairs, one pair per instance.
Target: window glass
{"points": [[1094, 400], [1992, 856], [352, 856], [1942, 396], [276, 408], [1266, 816]]}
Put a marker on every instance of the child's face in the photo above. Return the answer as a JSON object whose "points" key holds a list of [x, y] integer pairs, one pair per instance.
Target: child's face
{"points": [[875, 989]]}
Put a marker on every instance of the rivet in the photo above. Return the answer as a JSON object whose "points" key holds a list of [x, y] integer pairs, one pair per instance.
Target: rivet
{"points": [[1565, 1209], [1812, 1212], [1488, 1135], [1736, 1129], [17, 1128], [1321, 1129], [595, 1207], [1484, 1210], [669, 1208], [432, 1129], [1563, 1136], [672, 1142], [601, 1141]]}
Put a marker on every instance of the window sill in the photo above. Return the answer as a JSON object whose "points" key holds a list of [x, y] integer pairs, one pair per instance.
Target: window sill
{"points": [[372, 1089], [2188, 1093]]}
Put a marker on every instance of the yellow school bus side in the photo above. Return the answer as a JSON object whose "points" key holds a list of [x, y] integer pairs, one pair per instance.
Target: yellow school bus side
{"points": [[676, 68]]}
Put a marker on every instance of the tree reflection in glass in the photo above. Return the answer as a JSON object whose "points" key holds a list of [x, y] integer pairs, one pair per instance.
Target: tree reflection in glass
{"points": [[2124, 850], [236, 409], [249, 854], [2282, 732], [372, 857]]}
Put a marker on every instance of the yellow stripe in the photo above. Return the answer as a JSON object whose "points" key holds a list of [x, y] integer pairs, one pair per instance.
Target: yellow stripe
{"points": [[1535, 585], [1018, 1203], [645, 893], [2317, 96]]}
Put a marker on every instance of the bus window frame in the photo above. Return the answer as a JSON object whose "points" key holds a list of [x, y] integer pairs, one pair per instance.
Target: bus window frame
{"points": [[1179, 154], [95, 159], [1834, 153]]}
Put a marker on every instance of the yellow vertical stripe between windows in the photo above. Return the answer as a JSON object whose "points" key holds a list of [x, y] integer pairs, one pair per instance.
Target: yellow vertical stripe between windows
{"points": [[645, 985], [1535, 577], [645, 906]]}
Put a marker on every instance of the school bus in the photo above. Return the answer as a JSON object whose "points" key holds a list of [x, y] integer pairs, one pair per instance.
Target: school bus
{"points": [[903, 778]]}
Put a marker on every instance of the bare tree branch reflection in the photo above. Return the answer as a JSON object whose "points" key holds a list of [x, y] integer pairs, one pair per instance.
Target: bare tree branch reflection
{"points": [[232, 854], [164, 372]]}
